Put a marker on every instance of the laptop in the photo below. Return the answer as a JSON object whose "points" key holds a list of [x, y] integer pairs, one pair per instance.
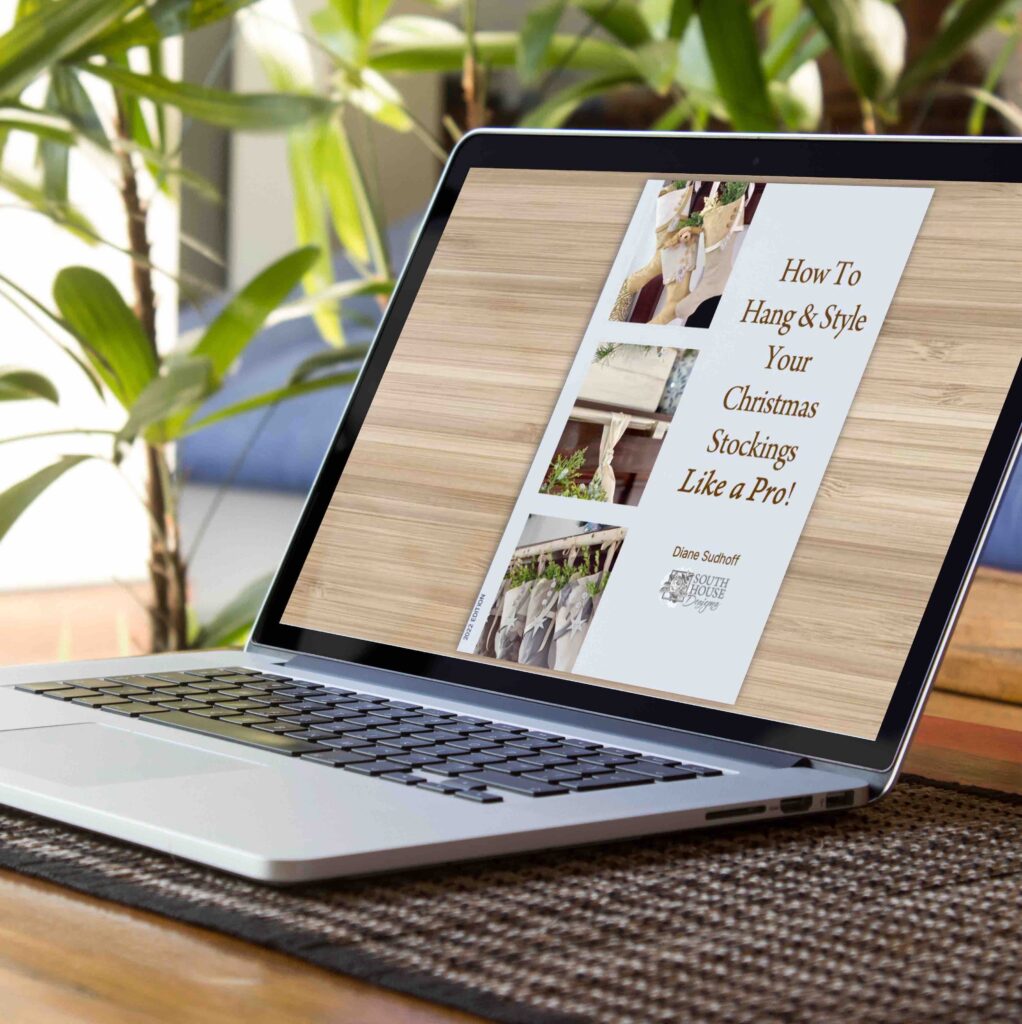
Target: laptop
{"points": [[652, 509]]}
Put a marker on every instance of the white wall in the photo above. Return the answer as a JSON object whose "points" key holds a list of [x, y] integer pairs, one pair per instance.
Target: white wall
{"points": [[89, 527]]}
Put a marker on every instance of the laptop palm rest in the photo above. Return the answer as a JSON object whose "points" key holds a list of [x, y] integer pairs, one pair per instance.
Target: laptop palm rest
{"points": [[96, 755]]}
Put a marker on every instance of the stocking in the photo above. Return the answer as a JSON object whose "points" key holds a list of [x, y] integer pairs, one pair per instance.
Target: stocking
{"points": [[508, 640], [539, 623], [671, 206], [719, 225], [574, 613]]}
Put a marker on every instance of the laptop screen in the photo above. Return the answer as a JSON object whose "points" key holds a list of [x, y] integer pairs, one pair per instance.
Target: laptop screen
{"points": [[705, 440]]}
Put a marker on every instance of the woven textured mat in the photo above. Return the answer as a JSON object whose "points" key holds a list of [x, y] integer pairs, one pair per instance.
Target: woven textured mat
{"points": [[909, 910]]}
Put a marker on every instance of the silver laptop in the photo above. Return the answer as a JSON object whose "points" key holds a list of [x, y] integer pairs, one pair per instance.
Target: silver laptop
{"points": [[652, 509]]}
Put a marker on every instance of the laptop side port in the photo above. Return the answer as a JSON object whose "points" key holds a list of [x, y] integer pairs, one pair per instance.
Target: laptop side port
{"points": [[796, 804], [844, 799], [735, 812]]}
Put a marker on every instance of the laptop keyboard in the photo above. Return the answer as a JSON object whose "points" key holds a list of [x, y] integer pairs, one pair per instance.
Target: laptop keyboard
{"points": [[431, 749]]}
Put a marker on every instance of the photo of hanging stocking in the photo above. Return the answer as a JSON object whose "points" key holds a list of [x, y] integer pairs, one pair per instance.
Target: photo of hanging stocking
{"points": [[574, 613], [539, 623], [613, 431], [722, 219], [672, 206], [508, 641]]}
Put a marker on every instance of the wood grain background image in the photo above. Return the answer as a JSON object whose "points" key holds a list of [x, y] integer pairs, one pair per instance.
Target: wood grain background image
{"points": [[410, 532]]}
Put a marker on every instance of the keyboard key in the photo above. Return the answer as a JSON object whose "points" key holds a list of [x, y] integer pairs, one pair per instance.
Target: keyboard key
{"points": [[470, 746], [449, 768], [276, 728], [403, 705], [43, 687], [608, 760], [545, 760], [495, 735], [513, 767], [238, 705], [611, 780], [71, 693], [404, 777], [340, 742], [552, 775], [405, 730], [445, 750], [98, 700], [146, 682], [182, 704], [337, 758], [376, 767], [243, 719], [173, 677], [581, 744], [518, 783], [482, 760], [135, 709], [236, 733], [216, 712], [457, 728], [664, 772], [404, 742], [530, 743], [118, 689], [701, 770], [460, 783], [480, 796], [413, 758]]}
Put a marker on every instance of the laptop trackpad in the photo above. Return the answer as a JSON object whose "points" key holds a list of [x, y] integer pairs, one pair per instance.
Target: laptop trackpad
{"points": [[96, 755]]}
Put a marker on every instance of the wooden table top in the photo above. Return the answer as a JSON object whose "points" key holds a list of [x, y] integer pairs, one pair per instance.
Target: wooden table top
{"points": [[65, 957]]}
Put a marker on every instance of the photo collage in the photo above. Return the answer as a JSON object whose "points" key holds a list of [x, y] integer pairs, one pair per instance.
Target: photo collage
{"points": [[616, 412]]}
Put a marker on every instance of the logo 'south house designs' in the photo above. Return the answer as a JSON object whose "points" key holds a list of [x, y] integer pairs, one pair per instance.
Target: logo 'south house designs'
{"points": [[686, 589]]}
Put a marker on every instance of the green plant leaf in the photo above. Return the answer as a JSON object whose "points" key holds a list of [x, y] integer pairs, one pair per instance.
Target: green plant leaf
{"points": [[308, 368], [50, 32], [667, 19], [183, 384], [64, 214], [622, 20], [731, 42], [341, 177], [239, 321], [274, 397], [310, 213], [537, 32], [49, 318], [869, 38], [556, 109], [54, 156], [41, 126], [16, 499], [500, 49], [115, 342], [76, 105], [966, 20], [163, 19], [233, 622], [23, 385], [239, 111], [339, 291]]}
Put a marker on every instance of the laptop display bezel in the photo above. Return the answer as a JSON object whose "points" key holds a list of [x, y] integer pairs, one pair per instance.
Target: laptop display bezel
{"points": [[920, 160]]}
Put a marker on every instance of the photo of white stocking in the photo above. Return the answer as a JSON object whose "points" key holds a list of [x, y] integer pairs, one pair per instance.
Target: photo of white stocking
{"points": [[508, 641], [720, 224], [574, 613], [539, 623]]}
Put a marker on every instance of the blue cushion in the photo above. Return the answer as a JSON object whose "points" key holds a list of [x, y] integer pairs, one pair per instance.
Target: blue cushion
{"points": [[1004, 544], [280, 449]]}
